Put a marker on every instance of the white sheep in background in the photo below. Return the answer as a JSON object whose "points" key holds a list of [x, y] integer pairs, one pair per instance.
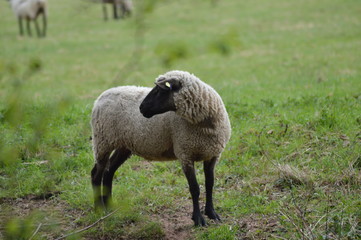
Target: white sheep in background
{"points": [[30, 10], [126, 7], [180, 118]]}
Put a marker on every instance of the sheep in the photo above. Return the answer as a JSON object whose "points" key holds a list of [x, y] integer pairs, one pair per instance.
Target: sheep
{"points": [[30, 10], [180, 118], [126, 7]]}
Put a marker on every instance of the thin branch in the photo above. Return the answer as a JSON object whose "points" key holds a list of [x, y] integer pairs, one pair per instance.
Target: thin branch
{"points": [[36, 231], [294, 224], [278, 237], [43, 224], [90, 226], [327, 214], [260, 144], [319, 220], [263, 151], [301, 215], [36, 163]]}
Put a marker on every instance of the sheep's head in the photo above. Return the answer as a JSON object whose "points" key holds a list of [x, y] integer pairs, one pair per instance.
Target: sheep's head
{"points": [[160, 98]]}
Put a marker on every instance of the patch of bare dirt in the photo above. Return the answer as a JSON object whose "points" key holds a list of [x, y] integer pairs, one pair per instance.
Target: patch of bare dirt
{"points": [[23, 206], [53, 216], [177, 224], [257, 226]]}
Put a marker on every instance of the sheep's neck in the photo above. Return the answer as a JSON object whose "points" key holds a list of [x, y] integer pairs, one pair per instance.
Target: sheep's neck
{"points": [[202, 108]]}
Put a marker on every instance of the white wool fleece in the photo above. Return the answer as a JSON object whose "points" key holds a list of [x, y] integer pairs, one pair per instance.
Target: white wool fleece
{"points": [[198, 130], [27, 8]]}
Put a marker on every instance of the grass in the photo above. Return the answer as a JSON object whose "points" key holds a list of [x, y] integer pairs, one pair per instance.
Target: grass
{"points": [[289, 75]]}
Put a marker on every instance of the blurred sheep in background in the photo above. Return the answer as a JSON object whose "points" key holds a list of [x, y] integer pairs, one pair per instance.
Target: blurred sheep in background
{"points": [[30, 10], [125, 6]]}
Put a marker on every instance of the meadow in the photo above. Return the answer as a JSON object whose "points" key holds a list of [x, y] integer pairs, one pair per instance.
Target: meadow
{"points": [[289, 73]]}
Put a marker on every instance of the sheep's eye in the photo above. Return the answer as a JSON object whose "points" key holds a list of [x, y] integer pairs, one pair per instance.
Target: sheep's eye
{"points": [[167, 84]]}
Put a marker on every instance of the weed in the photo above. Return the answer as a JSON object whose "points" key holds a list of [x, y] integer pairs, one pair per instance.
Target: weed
{"points": [[150, 230], [18, 228], [291, 176], [224, 232]]}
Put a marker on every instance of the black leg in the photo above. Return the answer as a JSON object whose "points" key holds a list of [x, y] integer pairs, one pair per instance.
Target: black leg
{"points": [[105, 12], [209, 176], [188, 169], [28, 27], [116, 160], [122, 11], [115, 10], [44, 24], [96, 178], [20, 20], [37, 28]]}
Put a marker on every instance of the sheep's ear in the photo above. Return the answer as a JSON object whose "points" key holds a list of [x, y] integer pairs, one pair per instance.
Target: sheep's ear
{"points": [[169, 84]]}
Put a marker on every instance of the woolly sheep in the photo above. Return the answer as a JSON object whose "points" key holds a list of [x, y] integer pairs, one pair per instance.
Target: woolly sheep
{"points": [[30, 10], [180, 118], [126, 7]]}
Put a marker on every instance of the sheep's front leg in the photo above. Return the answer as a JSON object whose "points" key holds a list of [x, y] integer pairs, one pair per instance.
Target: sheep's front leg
{"points": [[115, 10], [20, 20], [44, 24], [28, 26], [105, 15], [209, 176], [37, 28], [188, 169]]}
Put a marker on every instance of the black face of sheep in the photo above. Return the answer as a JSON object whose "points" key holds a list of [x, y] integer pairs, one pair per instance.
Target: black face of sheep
{"points": [[160, 99]]}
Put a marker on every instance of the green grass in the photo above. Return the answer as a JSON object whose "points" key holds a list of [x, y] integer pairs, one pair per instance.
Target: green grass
{"points": [[289, 75]]}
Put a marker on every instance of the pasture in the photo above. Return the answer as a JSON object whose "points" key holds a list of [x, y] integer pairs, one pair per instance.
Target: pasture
{"points": [[289, 73]]}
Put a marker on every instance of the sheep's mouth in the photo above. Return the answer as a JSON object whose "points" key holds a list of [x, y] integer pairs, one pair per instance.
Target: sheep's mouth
{"points": [[147, 115]]}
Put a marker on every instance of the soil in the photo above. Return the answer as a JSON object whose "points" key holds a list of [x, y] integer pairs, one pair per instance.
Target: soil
{"points": [[57, 218], [177, 225], [56, 214], [46, 212]]}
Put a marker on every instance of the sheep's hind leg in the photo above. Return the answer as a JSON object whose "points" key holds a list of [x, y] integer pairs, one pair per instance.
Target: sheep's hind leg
{"points": [[28, 26], [115, 10], [20, 20], [188, 169], [116, 160], [105, 15], [96, 178], [37, 28], [209, 177], [44, 24]]}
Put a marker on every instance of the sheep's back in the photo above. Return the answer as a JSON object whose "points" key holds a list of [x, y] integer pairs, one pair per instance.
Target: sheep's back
{"points": [[117, 122]]}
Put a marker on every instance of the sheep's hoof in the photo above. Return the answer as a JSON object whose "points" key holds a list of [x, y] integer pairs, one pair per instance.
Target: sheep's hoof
{"points": [[99, 205], [99, 208], [107, 201], [199, 220], [213, 215]]}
